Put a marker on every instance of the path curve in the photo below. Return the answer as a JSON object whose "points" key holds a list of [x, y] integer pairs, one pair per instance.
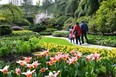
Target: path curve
{"points": [[85, 45]]}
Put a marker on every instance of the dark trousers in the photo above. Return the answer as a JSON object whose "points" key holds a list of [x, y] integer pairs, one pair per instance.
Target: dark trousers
{"points": [[78, 39], [84, 34]]}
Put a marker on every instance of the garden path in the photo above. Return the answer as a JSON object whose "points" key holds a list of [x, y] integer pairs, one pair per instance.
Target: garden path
{"points": [[86, 45]]}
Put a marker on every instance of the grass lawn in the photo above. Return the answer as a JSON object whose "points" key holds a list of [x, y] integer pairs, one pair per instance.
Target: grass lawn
{"points": [[55, 40]]}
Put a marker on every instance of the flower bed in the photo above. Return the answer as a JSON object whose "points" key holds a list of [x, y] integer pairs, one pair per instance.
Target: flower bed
{"points": [[82, 62]]}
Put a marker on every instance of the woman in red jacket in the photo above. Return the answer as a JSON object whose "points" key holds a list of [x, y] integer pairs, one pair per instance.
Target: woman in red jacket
{"points": [[77, 32]]}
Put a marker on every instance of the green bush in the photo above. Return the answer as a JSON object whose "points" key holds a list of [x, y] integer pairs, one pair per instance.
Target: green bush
{"points": [[49, 31], [38, 28], [5, 30], [60, 22], [69, 20], [102, 40], [60, 33], [106, 17], [22, 22]]}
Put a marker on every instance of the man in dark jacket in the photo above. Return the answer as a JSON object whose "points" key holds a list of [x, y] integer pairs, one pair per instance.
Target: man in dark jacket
{"points": [[84, 29]]}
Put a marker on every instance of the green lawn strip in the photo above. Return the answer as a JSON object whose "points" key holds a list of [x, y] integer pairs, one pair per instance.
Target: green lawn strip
{"points": [[54, 40]]}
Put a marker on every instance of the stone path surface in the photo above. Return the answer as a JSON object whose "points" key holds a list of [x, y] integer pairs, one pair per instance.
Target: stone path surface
{"points": [[86, 45]]}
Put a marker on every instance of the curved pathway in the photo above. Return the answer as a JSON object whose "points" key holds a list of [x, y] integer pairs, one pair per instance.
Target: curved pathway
{"points": [[86, 45]]}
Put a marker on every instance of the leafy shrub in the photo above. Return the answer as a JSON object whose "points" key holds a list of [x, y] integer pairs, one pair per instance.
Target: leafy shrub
{"points": [[22, 33], [39, 28], [105, 22], [102, 40], [17, 28], [60, 33], [50, 22], [22, 22], [69, 20], [19, 46], [60, 22], [49, 31], [5, 30]]}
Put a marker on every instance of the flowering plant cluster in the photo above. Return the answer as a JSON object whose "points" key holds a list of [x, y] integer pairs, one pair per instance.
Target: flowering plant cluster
{"points": [[72, 64]]}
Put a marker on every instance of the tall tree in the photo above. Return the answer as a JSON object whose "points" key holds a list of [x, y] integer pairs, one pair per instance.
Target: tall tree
{"points": [[106, 16], [27, 7], [11, 12]]}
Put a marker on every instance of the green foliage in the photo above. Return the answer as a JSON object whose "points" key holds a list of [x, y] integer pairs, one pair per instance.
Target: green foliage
{"points": [[60, 22], [11, 46], [72, 6], [5, 30], [60, 33], [48, 31], [22, 22], [39, 28], [68, 21], [106, 17], [102, 40], [11, 12], [56, 41]]}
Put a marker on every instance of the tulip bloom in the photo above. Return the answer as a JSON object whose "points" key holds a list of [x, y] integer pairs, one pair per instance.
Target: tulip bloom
{"points": [[35, 64], [5, 70], [27, 59], [93, 56], [43, 70], [78, 55], [29, 66], [21, 62], [72, 60], [18, 71], [28, 73], [53, 74]]}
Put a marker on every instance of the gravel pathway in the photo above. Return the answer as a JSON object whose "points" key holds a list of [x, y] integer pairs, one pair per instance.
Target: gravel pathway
{"points": [[86, 45]]}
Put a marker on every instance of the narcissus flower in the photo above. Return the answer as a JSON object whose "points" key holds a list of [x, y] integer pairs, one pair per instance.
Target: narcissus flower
{"points": [[5, 70], [28, 73], [18, 71]]}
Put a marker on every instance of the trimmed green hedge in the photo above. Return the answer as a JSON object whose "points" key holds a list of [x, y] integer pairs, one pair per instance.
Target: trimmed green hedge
{"points": [[60, 33]]}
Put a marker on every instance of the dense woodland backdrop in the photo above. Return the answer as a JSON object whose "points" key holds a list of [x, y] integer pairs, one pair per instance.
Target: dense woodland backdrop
{"points": [[100, 15]]}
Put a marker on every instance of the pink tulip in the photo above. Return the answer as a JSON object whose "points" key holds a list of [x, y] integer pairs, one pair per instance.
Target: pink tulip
{"points": [[96, 56], [27, 59], [18, 71], [43, 70], [35, 64], [29, 66], [93, 56], [72, 60], [28, 73], [88, 57], [78, 55], [21, 62], [73, 52], [50, 63], [5, 70]]}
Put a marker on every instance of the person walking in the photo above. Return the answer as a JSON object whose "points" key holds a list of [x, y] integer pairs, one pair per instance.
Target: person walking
{"points": [[70, 26], [69, 29], [77, 33], [71, 36], [84, 29]]}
